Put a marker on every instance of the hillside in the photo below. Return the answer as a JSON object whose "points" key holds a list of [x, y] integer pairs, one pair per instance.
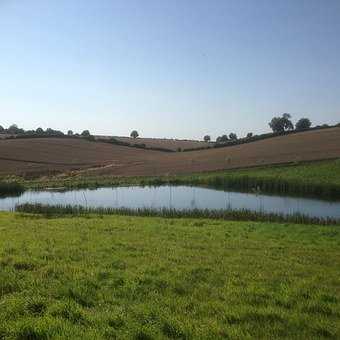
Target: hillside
{"points": [[34, 157], [40, 156]]}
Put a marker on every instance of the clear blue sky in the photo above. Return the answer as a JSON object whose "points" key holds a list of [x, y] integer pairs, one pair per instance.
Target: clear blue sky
{"points": [[168, 68]]}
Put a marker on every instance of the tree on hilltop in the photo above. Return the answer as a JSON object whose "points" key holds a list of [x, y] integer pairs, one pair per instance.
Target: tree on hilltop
{"points": [[86, 133], [303, 124], [232, 136], [222, 139], [134, 134], [281, 124]]}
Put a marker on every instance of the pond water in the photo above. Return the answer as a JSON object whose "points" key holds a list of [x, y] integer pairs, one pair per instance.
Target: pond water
{"points": [[178, 197]]}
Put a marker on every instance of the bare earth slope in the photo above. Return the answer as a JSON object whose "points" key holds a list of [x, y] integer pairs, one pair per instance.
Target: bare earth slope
{"points": [[43, 156]]}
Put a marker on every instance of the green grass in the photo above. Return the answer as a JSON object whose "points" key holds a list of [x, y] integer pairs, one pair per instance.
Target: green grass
{"points": [[316, 179], [153, 278]]}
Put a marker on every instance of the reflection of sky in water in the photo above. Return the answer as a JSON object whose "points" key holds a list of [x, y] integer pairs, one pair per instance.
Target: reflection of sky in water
{"points": [[180, 197]]}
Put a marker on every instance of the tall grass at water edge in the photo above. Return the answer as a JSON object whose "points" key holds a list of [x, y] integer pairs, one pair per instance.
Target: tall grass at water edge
{"points": [[11, 189], [229, 214]]}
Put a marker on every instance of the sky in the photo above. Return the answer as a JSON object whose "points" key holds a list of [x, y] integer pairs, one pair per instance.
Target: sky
{"points": [[168, 68]]}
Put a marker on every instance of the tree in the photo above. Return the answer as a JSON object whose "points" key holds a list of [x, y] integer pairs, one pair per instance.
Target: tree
{"points": [[86, 133], [134, 134], [303, 124], [281, 124], [55, 133], [232, 136], [249, 134], [207, 138], [222, 139], [70, 133], [2, 130], [39, 131], [14, 130]]}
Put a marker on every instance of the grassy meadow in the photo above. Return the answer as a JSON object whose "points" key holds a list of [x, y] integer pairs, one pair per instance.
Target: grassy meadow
{"points": [[107, 277]]}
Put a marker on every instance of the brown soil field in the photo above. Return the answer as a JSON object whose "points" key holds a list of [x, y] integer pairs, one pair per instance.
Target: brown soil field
{"points": [[35, 157], [170, 144]]}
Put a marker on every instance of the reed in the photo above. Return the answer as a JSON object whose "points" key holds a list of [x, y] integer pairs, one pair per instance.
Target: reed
{"points": [[248, 183], [229, 214], [11, 189]]}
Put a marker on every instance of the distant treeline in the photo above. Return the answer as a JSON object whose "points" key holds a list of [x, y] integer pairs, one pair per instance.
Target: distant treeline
{"points": [[14, 132]]}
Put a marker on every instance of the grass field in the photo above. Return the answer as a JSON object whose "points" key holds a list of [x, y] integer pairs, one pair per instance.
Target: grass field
{"points": [[153, 278]]}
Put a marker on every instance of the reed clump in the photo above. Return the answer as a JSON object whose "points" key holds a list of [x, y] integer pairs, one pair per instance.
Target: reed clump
{"points": [[245, 183], [228, 214], [11, 189]]}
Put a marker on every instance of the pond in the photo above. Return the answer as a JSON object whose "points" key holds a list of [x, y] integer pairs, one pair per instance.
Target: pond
{"points": [[177, 197]]}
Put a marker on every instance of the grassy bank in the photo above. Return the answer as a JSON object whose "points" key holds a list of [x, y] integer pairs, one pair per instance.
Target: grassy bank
{"points": [[229, 215], [317, 179], [151, 278]]}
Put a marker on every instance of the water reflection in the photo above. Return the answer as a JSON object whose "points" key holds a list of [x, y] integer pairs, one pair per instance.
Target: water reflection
{"points": [[178, 197]]}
